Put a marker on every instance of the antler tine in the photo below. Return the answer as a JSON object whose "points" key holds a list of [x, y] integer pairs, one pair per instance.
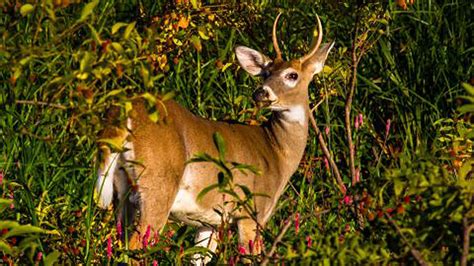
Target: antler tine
{"points": [[274, 38], [318, 43]]}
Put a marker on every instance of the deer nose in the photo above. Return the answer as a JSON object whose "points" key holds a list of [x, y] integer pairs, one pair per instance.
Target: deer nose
{"points": [[260, 95]]}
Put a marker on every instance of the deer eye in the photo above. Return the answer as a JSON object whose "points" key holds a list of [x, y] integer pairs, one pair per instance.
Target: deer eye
{"points": [[292, 76]]}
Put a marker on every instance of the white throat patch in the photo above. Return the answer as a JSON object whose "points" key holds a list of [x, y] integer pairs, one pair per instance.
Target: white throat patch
{"points": [[295, 114]]}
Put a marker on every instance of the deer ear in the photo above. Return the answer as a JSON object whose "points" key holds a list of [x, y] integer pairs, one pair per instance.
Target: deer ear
{"points": [[252, 61], [315, 63]]}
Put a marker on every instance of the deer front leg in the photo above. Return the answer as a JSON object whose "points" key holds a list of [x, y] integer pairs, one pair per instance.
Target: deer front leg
{"points": [[205, 237], [149, 223], [249, 239], [157, 192]]}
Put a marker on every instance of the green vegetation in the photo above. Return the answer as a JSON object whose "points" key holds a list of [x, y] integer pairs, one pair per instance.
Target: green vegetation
{"points": [[408, 68]]}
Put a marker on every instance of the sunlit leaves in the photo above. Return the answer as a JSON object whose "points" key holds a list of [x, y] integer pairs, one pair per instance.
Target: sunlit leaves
{"points": [[88, 9], [128, 30], [26, 9]]}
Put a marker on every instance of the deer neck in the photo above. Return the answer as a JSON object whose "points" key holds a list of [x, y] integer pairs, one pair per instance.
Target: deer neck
{"points": [[288, 132]]}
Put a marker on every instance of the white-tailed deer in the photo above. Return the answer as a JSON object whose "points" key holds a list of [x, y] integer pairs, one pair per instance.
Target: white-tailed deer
{"points": [[167, 187]]}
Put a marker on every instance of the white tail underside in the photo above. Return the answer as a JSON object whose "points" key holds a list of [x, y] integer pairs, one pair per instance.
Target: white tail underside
{"points": [[105, 180]]}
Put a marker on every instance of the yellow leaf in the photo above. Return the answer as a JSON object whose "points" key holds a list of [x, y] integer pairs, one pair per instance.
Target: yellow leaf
{"points": [[196, 43], [203, 33], [327, 69], [26, 9]]}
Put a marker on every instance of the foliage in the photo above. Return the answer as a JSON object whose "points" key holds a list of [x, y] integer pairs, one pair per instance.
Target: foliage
{"points": [[64, 63]]}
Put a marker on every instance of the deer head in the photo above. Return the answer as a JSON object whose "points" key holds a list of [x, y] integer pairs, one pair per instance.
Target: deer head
{"points": [[285, 82]]}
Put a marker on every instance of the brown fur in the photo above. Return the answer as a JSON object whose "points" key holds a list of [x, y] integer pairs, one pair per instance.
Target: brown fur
{"points": [[164, 148]]}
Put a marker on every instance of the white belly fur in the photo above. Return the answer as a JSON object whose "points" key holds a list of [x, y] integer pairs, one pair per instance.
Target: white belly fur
{"points": [[185, 207]]}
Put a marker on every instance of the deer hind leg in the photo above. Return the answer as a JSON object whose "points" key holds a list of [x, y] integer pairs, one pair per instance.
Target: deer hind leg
{"points": [[127, 197], [249, 238]]}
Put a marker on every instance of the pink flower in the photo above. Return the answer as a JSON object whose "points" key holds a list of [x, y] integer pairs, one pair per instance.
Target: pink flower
{"points": [[155, 263], [109, 248], [242, 250], [1, 178], [347, 199], [326, 130], [231, 261], [357, 175], [119, 229], [356, 122], [39, 256], [146, 237], [387, 127], [309, 241], [361, 119], [297, 222]]}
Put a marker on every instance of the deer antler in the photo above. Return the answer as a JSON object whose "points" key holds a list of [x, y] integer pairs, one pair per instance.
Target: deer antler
{"points": [[318, 43], [274, 38]]}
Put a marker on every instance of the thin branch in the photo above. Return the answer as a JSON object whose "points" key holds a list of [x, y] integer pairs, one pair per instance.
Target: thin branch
{"points": [[57, 106], [466, 239], [278, 239], [414, 252], [326, 152], [348, 105]]}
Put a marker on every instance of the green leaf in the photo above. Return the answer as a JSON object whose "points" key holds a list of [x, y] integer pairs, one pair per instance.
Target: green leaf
{"points": [[468, 87], [115, 143], [205, 191], [87, 10], [24, 229], [168, 96], [117, 47], [128, 30], [117, 26], [51, 258], [246, 167], [220, 145], [202, 31], [5, 247], [4, 203], [149, 98], [8, 224], [196, 250], [221, 180], [467, 108], [85, 61], [26, 9], [200, 157], [95, 35], [246, 191], [196, 41], [194, 3]]}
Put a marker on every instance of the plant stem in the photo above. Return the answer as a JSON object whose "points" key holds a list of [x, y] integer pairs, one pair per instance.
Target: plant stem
{"points": [[58, 106], [285, 228], [326, 152], [349, 97], [467, 228], [414, 252]]}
